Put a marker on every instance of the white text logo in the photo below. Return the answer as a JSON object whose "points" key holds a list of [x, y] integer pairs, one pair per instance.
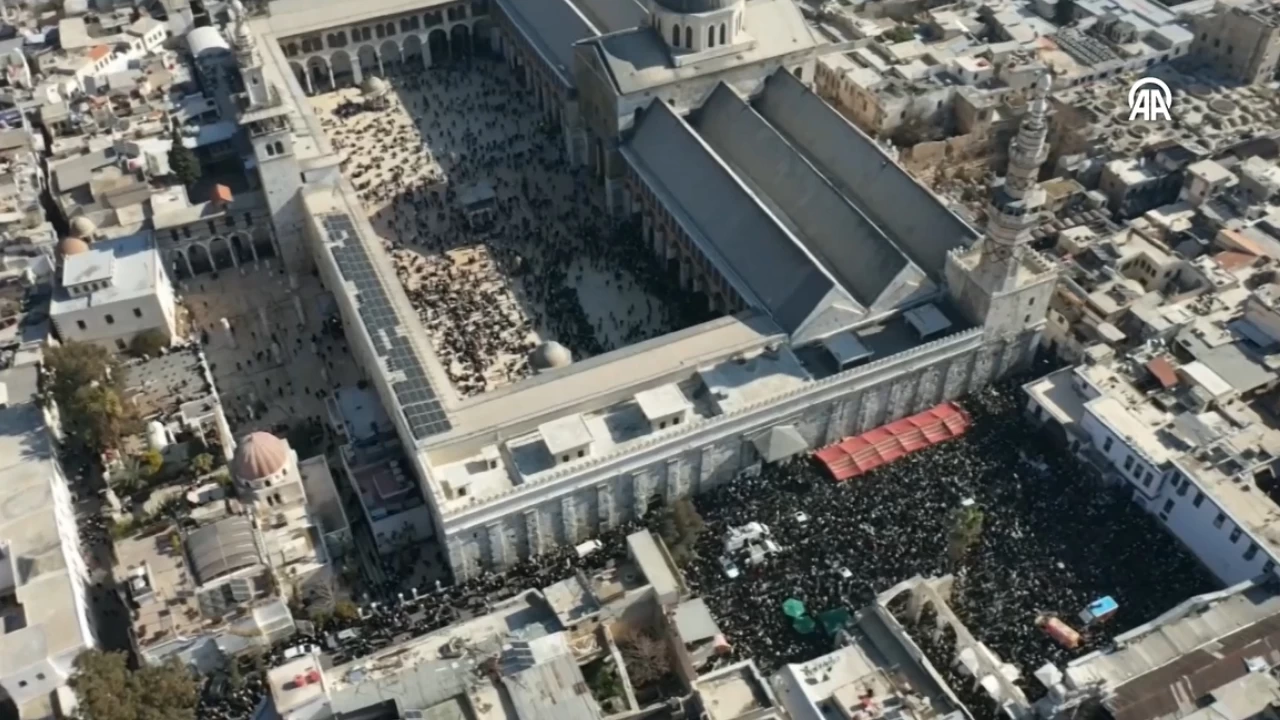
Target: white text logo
{"points": [[1149, 99]]}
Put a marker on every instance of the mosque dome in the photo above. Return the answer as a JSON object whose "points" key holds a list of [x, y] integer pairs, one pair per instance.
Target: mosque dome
{"points": [[374, 86], [550, 355], [83, 227], [693, 7], [72, 246], [259, 455]]}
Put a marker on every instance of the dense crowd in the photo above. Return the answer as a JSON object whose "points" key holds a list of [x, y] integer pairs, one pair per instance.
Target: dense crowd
{"points": [[1053, 540], [489, 293]]}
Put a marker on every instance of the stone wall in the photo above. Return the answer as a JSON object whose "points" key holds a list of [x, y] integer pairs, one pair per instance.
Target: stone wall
{"points": [[623, 486]]}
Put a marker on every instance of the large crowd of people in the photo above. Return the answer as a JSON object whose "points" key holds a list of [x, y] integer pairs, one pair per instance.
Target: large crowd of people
{"points": [[547, 265], [1052, 540]]}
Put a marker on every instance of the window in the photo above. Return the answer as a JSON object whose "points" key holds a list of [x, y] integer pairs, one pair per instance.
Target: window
{"points": [[722, 26], [80, 324], [1182, 489], [564, 458], [1199, 499], [1128, 462], [1031, 302], [582, 453], [248, 220], [22, 683], [675, 35], [1235, 535], [120, 344], [1168, 505], [213, 230], [688, 37], [1252, 552], [1217, 522], [110, 320], [1137, 470], [137, 312], [1268, 566], [381, 31], [39, 676], [1106, 446], [711, 36], [1146, 481]]}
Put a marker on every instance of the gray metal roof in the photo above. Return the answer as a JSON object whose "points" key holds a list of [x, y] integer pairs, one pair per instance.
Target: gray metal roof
{"points": [[551, 27], [222, 548], [614, 15], [849, 246], [732, 227], [912, 216], [694, 621]]}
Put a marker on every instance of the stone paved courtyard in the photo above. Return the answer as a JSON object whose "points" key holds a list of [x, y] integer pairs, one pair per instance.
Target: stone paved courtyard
{"points": [[544, 269]]}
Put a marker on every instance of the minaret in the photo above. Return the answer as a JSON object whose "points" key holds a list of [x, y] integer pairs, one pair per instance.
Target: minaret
{"points": [[1016, 201], [246, 50], [999, 282]]}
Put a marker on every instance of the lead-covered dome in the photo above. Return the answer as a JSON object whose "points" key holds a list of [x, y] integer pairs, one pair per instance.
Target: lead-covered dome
{"points": [[259, 455]]}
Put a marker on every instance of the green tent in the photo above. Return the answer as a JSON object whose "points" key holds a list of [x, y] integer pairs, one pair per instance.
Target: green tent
{"points": [[835, 620], [803, 625], [793, 608]]}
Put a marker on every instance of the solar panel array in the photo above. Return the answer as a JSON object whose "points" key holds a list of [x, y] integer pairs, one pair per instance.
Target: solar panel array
{"points": [[417, 398]]}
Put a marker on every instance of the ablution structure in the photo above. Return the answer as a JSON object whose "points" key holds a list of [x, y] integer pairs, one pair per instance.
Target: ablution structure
{"points": [[848, 295]]}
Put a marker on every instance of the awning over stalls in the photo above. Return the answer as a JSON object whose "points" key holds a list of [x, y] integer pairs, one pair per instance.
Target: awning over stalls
{"points": [[780, 442]]}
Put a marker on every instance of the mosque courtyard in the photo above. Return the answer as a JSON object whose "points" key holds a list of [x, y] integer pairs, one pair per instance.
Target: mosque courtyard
{"points": [[542, 265]]}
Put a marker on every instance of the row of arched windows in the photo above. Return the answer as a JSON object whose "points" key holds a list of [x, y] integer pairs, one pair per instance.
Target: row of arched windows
{"points": [[384, 30], [275, 148], [688, 36]]}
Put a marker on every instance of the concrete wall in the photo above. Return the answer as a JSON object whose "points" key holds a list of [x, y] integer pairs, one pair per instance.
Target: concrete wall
{"points": [[609, 490]]}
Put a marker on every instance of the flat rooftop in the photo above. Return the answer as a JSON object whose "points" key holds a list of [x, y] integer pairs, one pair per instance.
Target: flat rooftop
{"points": [[49, 621], [733, 692], [128, 265], [160, 385]]}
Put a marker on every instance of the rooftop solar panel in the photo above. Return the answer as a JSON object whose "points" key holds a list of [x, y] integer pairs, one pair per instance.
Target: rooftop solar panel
{"points": [[417, 398]]}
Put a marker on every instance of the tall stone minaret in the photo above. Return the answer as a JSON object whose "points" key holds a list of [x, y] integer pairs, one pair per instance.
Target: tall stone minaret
{"points": [[1016, 201], [1001, 282], [247, 58]]}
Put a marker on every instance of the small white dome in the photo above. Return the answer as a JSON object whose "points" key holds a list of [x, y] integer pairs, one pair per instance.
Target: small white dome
{"points": [[374, 86], [83, 227], [550, 355]]}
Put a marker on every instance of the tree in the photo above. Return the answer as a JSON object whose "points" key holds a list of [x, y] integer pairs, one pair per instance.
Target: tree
{"points": [[346, 610], [646, 656], [149, 343], [107, 689], [899, 33], [184, 163], [202, 464], [151, 461], [128, 478], [679, 527], [966, 530], [85, 381]]}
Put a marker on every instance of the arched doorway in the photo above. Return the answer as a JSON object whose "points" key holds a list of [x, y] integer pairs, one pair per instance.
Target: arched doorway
{"points": [[413, 53], [654, 502], [199, 257], [240, 246], [220, 251], [438, 47], [318, 69], [340, 63], [390, 53], [368, 59], [460, 42], [483, 37], [300, 74], [265, 249], [178, 262]]}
